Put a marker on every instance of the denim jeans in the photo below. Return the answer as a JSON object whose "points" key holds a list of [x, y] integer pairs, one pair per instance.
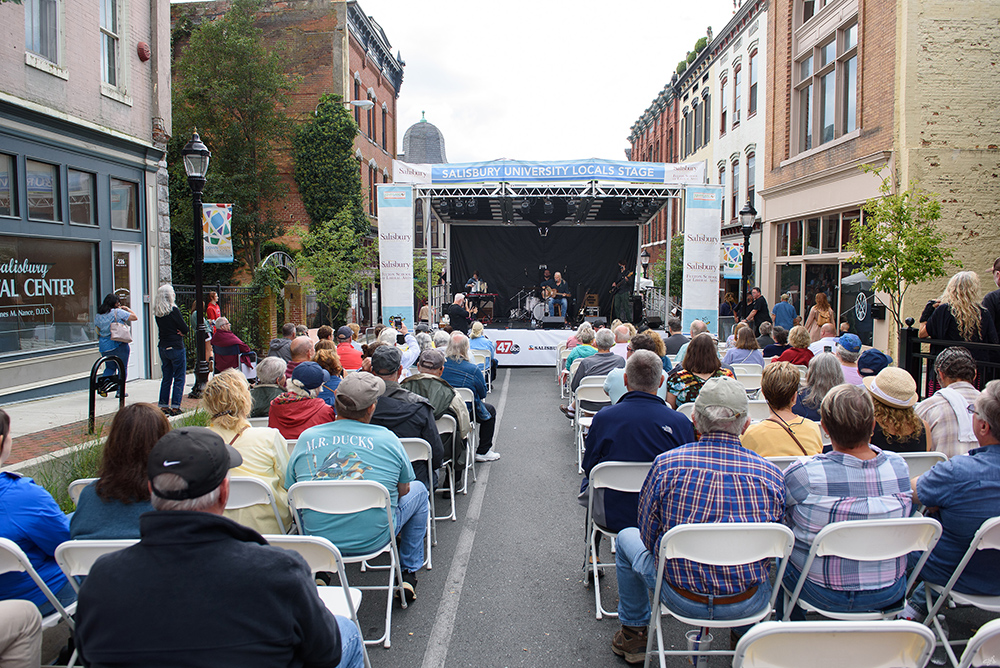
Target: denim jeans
{"points": [[636, 570], [351, 655], [174, 364], [871, 600], [552, 306], [66, 595], [410, 519], [116, 348]]}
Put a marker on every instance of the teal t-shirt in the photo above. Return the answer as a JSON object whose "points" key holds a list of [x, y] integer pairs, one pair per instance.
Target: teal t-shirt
{"points": [[350, 450]]}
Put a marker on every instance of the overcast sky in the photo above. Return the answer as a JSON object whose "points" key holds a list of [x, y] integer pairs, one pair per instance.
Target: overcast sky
{"points": [[539, 79]]}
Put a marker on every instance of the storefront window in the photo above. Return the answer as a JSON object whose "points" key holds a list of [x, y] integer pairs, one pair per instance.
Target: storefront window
{"points": [[822, 278], [8, 191], [124, 200], [812, 236], [81, 198], [831, 234], [847, 218], [795, 237], [783, 239], [789, 280], [46, 294], [43, 191]]}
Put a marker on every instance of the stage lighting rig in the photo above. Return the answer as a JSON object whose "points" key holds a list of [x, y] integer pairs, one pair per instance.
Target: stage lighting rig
{"points": [[547, 207]]}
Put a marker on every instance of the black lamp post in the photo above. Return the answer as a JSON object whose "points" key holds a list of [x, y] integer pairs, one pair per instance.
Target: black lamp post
{"points": [[196, 156], [644, 260], [748, 215]]}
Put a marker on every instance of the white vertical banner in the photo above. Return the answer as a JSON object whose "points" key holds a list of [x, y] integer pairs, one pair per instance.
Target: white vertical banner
{"points": [[702, 242], [395, 251]]}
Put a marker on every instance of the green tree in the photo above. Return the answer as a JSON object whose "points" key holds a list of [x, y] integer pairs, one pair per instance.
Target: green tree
{"points": [[334, 259], [420, 272], [234, 91], [676, 268], [897, 244], [326, 171]]}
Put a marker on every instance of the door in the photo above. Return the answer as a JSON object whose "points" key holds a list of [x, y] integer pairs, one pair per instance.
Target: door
{"points": [[127, 261]]}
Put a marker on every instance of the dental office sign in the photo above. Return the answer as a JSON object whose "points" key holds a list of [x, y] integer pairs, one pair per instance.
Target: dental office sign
{"points": [[519, 171]]}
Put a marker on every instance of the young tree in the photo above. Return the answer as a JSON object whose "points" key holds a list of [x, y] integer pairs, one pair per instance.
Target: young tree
{"points": [[897, 244], [326, 171], [335, 259], [234, 91], [676, 268]]}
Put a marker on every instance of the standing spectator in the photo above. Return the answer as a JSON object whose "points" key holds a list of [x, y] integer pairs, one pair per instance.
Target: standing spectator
{"points": [[820, 314], [783, 433], [479, 341], [701, 362], [824, 373], [897, 426], [946, 413], [302, 351], [282, 347], [330, 361], [960, 317], [299, 408], [780, 345], [460, 372], [111, 310], [799, 352], [727, 307], [458, 317], [270, 383], [784, 313], [110, 507], [759, 313], [765, 339], [848, 350], [676, 340], [991, 302], [173, 358], [350, 357], [212, 310], [224, 338], [746, 351]]}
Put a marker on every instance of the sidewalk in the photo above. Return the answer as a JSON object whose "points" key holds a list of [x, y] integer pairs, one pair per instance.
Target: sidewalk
{"points": [[44, 426]]}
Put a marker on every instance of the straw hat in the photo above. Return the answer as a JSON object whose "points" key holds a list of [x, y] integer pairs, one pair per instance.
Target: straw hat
{"points": [[893, 387]]}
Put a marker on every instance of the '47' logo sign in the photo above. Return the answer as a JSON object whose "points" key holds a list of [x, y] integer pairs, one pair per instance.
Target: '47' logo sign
{"points": [[507, 348]]}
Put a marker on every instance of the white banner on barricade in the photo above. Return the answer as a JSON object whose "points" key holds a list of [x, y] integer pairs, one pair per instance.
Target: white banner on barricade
{"points": [[702, 241], [395, 251], [527, 347]]}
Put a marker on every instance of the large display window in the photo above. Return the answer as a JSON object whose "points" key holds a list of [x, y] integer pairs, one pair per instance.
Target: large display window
{"points": [[47, 296]]}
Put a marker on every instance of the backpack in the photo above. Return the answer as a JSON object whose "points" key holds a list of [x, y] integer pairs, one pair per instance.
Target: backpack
{"points": [[823, 317]]}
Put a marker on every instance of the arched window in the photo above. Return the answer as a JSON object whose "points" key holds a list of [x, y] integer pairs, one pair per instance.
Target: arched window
{"points": [[751, 178], [752, 96], [735, 199], [385, 125], [737, 85], [357, 96], [724, 111], [722, 182]]}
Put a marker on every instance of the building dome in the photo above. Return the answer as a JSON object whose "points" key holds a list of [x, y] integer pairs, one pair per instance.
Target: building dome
{"points": [[423, 143]]}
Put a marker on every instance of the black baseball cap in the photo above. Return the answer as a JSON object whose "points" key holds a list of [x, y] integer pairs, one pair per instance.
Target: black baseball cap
{"points": [[196, 454]]}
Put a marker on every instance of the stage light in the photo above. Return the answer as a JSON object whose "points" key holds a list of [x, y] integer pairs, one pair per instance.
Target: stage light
{"points": [[525, 207], [625, 207], [443, 207], [547, 207], [571, 206], [459, 206], [471, 205]]}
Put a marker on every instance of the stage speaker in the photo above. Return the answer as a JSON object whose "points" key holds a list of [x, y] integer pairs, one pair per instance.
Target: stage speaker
{"points": [[597, 320], [655, 322], [637, 308], [553, 322]]}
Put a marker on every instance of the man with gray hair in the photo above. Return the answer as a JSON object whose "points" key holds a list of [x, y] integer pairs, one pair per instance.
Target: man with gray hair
{"points": [[458, 317], [600, 363], [946, 412], [270, 383], [622, 336], [181, 592], [714, 479]]}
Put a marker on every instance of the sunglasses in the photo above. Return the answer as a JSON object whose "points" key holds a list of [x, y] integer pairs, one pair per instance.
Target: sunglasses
{"points": [[972, 409]]}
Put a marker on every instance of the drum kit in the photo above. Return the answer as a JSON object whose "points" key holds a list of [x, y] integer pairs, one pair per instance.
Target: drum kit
{"points": [[527, 305]]}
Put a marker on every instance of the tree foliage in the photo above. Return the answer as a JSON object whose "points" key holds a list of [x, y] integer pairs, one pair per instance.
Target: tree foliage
{"points": [[897, 244], [676, 268], [420, 272], [335, 259], [234, 91]]}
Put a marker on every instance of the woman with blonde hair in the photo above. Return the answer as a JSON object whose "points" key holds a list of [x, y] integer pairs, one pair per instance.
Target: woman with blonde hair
{"points": [[960, 316], [897, 426], [783, 432], [265, 451], [820, 314], [799, 352]]}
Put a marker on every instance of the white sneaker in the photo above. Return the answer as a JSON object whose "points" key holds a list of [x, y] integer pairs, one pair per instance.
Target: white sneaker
{"points": [[488, 456]]}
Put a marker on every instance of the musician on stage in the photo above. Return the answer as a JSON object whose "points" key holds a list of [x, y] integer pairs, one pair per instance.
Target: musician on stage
{"points": [[557, 292], [622, 290], [472, 287]]}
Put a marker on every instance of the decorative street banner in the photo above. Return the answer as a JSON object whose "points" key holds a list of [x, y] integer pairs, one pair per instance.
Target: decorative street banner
{"points": [[520, 171], [702, 236], [732, 259], [217, 232], [395, 252]]}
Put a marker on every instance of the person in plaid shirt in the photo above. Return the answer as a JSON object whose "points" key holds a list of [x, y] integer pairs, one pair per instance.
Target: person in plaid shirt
{"points": [[712, 480], [855, 481]]}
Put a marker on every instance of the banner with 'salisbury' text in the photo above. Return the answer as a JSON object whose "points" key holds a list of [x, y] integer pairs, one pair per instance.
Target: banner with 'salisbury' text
{"points": [[395, 252], [522, 171], [702, 241], [217, 232]]}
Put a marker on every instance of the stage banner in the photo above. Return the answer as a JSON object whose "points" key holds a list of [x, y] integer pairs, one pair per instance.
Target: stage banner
{"points": [[395, 251], [217, 232], [580, 171], [732, 259], [702, 235], [527, 347]]}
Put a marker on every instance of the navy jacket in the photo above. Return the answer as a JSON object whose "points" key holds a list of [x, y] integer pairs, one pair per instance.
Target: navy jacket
{"points": [[636, 429]]}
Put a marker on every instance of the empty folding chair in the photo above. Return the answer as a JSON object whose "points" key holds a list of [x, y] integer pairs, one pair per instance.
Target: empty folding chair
{"points": [[588, 400], [13, 559], [619, 476], [469, 397], [419, 450], [76, 488], [448, 427], [563, 354], [750, 382], [922, 462], [568, 378], [348, 497], [984, 647], [76, 557], [322, 556], [741, 369], [245, 491], [830, 644]]}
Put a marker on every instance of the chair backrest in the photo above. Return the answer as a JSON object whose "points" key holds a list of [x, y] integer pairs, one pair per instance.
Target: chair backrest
{"points": [[291, 442], [727, 543], [922, 462], [245, 491], [984, 647], [13, 559], [338, 497], [759, 410], [75, 557], [563, 354], [258, 422], [417, 449], [321, 555], [784, 461], [574, 366], [446, 424], [593, 380], [621, 476], [592, 393], [479, 357], [742, 369], [467, 395], [876, 540], [76, 488], [834, 644], [750, 381]]}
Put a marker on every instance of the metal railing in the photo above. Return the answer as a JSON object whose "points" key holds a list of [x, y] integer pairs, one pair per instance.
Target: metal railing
{"points": [[239, 303], [917, 356]]}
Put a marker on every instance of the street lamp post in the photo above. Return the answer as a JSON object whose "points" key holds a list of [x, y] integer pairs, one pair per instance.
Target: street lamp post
{"points": [[748, 215], [644, 260], [196, 156]]}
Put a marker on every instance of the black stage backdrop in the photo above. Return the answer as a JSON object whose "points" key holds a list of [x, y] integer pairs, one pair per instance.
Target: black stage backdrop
{"points": [[508, 259]]}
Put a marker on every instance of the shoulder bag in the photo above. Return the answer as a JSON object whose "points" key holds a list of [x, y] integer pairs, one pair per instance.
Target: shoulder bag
{"points": [[121, 332], [790, 433]]}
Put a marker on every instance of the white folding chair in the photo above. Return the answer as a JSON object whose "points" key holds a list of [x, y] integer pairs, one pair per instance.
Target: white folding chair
{"points": [[716, 544], [830, 644], [750, 382], [76, 488], [618, 476], [593, 380], [419, 450], [596, 398], [984, 647], [446, 425], [784, 461], [76, 557], [292, 442], [469, 397], [802, 371], [922, 462], [686, 409], [258, 422], [568, 378], [348, 497], [759, 410], [986, 538], [13, 559], [742, 369], [322, 556], [867, 540], [561, 364], [482, 360], [245, 491]]}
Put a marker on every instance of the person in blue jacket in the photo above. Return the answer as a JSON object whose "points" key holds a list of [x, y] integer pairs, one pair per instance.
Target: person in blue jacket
{"points": [[30, 517]]}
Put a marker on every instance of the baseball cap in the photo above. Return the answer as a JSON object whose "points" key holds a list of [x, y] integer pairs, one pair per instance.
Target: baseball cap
{"points": [[196, 454], [431, 359], [849, 342], [386, 360], [345, 333], [725, 392], [359, 391], [872, 361], [310, 374]]}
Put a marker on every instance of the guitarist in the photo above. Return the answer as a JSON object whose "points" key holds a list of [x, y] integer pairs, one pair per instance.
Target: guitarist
{"points": [[622, 291], [555, 292]]}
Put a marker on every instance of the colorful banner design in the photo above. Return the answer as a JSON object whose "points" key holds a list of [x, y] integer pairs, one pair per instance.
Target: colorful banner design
{"points": [[395, 252], [217, 232], [520, 171], [732, 259], [702, 236]]}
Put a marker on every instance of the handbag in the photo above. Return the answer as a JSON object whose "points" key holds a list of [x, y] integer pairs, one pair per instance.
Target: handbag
{"points": [[121, 332]]}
